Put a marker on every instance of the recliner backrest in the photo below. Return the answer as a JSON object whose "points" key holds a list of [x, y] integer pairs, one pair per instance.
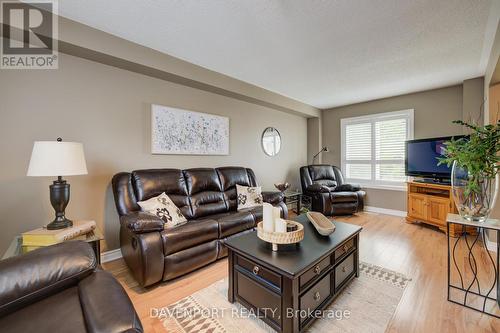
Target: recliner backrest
{"points": [[153, 182], [232, 176], [205, 191]]}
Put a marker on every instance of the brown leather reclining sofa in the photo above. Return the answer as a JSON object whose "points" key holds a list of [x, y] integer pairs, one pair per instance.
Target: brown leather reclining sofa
{"points": [[59, 288], [206, 197]]}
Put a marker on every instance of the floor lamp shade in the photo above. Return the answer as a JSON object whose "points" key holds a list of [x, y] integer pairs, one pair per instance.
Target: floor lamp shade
{"points": [[57, 158]]}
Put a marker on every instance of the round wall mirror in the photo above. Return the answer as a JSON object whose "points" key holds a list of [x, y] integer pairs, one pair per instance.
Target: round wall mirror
{"points": [[271, 141]]}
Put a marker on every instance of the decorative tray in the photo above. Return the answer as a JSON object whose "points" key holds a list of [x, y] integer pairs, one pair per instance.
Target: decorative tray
{"points": [[276, 238], [322, 224]]}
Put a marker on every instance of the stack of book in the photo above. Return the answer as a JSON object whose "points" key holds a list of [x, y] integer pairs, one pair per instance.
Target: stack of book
{"points": [[40, 237]]}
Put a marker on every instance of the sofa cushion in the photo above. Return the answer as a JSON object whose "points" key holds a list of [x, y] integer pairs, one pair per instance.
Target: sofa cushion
{"points": [[331, 184], [61, 312], [206, 193], [249, 196], [201, 180], [233, 222], [163, 207], [153, 182], [257, 213], [230, 177], [192, 233], [337, 197], [318, 172]]}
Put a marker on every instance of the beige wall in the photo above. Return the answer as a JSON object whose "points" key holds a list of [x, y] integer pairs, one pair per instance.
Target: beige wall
{"points": [[313, 139], [434, 112], [108, 110], [473, 101], [490, 78]]}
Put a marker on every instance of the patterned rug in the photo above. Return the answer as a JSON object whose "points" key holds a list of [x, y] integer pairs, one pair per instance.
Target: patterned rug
{"points": [[366, 305]]}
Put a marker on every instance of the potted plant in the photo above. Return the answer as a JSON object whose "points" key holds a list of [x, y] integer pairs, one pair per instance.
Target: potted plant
{"points": [[475, 162]]}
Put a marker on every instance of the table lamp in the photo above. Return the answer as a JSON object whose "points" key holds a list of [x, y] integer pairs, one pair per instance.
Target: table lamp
{"points": [[57, 158]]}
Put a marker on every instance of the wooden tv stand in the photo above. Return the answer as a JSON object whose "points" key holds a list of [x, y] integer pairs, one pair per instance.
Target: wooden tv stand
{"points": [[430, 203]]}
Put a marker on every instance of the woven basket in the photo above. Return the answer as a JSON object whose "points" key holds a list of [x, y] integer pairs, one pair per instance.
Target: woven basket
{"points": [[281, 237]]}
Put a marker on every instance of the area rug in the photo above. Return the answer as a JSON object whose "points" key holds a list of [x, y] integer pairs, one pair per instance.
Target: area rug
{"points": [[366, 305]]}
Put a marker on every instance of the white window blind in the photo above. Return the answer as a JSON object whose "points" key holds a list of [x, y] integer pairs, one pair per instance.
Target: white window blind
{"points": [[373, 147]]}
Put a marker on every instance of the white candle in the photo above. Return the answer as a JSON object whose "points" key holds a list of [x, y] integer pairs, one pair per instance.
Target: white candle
{"points": [[280, 225], [267, 217], [276, 213]]}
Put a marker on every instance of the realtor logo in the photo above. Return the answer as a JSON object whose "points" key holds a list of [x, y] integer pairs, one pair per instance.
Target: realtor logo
{"points": [[29, 35]]}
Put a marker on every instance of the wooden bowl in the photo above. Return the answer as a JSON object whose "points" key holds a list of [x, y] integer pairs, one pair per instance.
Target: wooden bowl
{"points": [[281, 237], [322, 224]]}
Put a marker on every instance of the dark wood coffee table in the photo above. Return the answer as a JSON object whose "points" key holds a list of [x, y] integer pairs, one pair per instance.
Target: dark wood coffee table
{"points": [[289, 289]]}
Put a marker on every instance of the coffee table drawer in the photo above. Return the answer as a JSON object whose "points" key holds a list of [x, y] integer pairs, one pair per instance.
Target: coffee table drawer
{"points": [[317, 294], [344, 270], [259, 271], [344, 249], [259, 297], [315, 271]]}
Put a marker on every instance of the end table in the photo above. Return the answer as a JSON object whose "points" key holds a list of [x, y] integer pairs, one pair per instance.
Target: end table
{"points": [[467, 290], [93, 238], [291, 198]]}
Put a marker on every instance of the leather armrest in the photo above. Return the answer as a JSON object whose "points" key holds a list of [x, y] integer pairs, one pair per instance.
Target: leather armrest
{"points": [[318, 188], [272, 197], [106, 306], [140, 222], [40, 273], [347, 188]]}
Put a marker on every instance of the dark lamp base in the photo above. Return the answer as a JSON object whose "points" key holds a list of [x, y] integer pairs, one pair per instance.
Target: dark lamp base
{"points": [[59, 198], [59, 224]]}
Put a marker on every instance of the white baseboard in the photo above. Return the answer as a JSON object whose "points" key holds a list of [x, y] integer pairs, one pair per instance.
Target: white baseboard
{"points": [[386, 211], [111, 255]]}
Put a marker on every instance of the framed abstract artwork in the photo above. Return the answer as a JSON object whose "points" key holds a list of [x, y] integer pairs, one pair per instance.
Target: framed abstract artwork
{"points": [[184, 132]]}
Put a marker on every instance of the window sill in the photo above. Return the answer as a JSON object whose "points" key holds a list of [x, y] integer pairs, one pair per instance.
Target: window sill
{"points": [[384, 187]]}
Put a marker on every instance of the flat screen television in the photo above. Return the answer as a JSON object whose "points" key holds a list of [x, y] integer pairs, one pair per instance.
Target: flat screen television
{"points": [[421, 158]]}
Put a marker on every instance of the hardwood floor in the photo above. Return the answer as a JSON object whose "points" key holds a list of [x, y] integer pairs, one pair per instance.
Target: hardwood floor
{"points": [[415, 250]]}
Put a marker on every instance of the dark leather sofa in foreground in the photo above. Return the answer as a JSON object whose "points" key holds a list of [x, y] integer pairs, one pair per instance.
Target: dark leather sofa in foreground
{"points": [[60, 289], [329, 193], [206, 197]]}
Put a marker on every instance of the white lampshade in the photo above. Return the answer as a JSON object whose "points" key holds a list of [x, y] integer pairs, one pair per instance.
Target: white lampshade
{"points": [[54, 158]]}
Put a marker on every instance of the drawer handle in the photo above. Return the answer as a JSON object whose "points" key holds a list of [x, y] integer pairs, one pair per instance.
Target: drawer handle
{"points": [[317, 296], [256, 270], [345, 248], [317, 269], [343, 269]]}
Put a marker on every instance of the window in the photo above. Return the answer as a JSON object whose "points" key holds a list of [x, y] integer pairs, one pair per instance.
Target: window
{"points": [[373, 148]]}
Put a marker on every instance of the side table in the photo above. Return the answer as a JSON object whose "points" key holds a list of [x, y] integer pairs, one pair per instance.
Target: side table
{"points": [[291, 198], [471, 290], [93, 238]]}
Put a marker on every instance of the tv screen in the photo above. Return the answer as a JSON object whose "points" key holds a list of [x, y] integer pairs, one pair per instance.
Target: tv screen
{"points": [[421, 158]]}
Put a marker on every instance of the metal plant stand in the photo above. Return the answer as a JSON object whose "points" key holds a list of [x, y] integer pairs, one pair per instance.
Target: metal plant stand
{"points": [[469, 292]]}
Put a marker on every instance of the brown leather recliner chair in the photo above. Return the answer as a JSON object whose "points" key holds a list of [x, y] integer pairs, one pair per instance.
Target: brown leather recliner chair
{"points": [[60, 289], [206, 197], [330, 195]]}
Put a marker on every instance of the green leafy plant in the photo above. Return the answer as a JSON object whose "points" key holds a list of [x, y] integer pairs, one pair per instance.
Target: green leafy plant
{"points": [[477, 153]]}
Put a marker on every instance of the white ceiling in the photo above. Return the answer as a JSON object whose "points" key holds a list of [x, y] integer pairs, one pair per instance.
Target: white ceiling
{"points": [[324, 53]]}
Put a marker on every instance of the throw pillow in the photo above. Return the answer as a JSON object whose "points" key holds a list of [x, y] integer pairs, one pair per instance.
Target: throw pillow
{"points": [[249, 196], [163, 207]]}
